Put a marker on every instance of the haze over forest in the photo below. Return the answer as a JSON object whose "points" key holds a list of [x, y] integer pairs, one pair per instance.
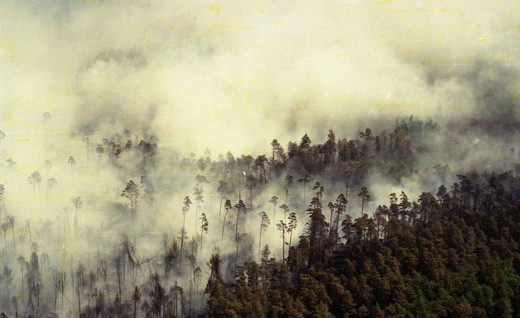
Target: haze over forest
{"points": [[168, 159]]}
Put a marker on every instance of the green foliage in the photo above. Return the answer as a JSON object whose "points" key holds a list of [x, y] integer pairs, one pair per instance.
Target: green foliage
{"points": [[451, 256]]}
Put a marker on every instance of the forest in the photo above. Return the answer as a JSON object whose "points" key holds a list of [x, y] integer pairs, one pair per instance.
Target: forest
{"points": [[305, 230], [225, 158]]}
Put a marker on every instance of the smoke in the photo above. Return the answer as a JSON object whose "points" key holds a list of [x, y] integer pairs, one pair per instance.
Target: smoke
{"points": [[213, 75], [234, 75]]}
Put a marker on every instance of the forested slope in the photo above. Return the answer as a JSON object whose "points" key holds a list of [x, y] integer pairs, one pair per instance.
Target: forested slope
{"points": [[376, 225]]}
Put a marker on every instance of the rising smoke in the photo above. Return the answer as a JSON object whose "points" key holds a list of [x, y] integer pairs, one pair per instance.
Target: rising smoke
{"points": [[232, 76]]}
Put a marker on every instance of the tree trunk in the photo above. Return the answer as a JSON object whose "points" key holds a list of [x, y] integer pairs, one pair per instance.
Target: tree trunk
{"points": [[220, 208], [224, 224], [79, 302], [260, 239], [283, 246]]}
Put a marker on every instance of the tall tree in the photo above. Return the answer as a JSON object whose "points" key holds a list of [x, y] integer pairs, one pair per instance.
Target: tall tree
{"points": [[222, 189], [186, 205], [183, 234], [259, 166], [264, 223], [35, 179], [199, 198], [203, 227], [131, 192], [282, 227], [339, 207], [241, 208], [276, 150], [330, 148], [305, 143], [34, 283], [304, 180], [365, 196], [293, 222], [157, 295], [289, 180], [404, 206], [317, 231], [274, 202], [228, 207], [251, 183]]}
